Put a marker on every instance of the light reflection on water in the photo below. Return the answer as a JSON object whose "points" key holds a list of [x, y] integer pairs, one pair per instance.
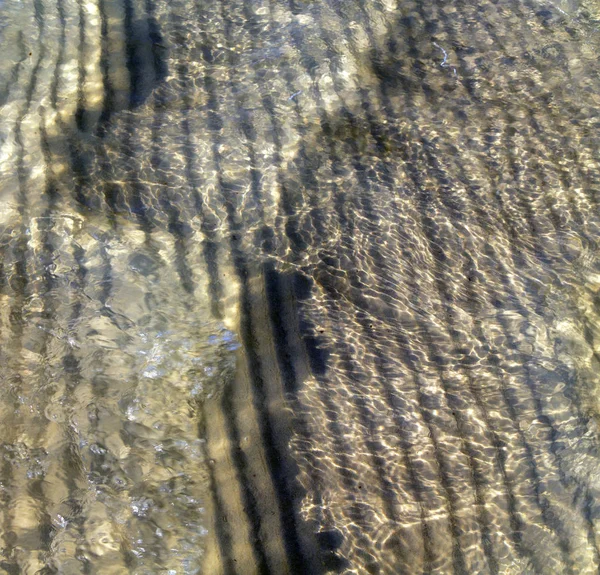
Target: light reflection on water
{"points": [[299, 287]]}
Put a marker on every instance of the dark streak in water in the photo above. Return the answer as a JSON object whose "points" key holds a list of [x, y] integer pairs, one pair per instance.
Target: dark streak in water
{"points": [[470, 166], [15, 71], [60, 8], [80, 113], [108, 99]]}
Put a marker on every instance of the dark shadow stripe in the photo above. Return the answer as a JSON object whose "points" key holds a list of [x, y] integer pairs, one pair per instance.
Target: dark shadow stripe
{"points": [[20, 282], [110, 191], [15, 70], [137, 191], [72, 369], [282, 296], [80, 112], [276, 461], [52, 196], [158, 47], [236, 454], [39, 18], [107, 274], [79, 163], [180, 230], [209, 223], [8, 536], [80, 159], [250, 503], [49, 285], [277, 310], [222, 534], [3, 274], [108, 101], [133, 61], [298, 549], [60, 8]]}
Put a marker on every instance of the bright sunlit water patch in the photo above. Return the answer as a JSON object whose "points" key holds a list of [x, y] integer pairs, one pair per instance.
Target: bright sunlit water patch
{"points": [[299, 287]]}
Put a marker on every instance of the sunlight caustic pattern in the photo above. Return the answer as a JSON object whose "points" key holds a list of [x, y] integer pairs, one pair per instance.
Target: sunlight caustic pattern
{"points": [[299, 286]]}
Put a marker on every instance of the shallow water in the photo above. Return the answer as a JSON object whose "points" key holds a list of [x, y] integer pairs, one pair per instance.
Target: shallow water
{"points": [[299, 287]]}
